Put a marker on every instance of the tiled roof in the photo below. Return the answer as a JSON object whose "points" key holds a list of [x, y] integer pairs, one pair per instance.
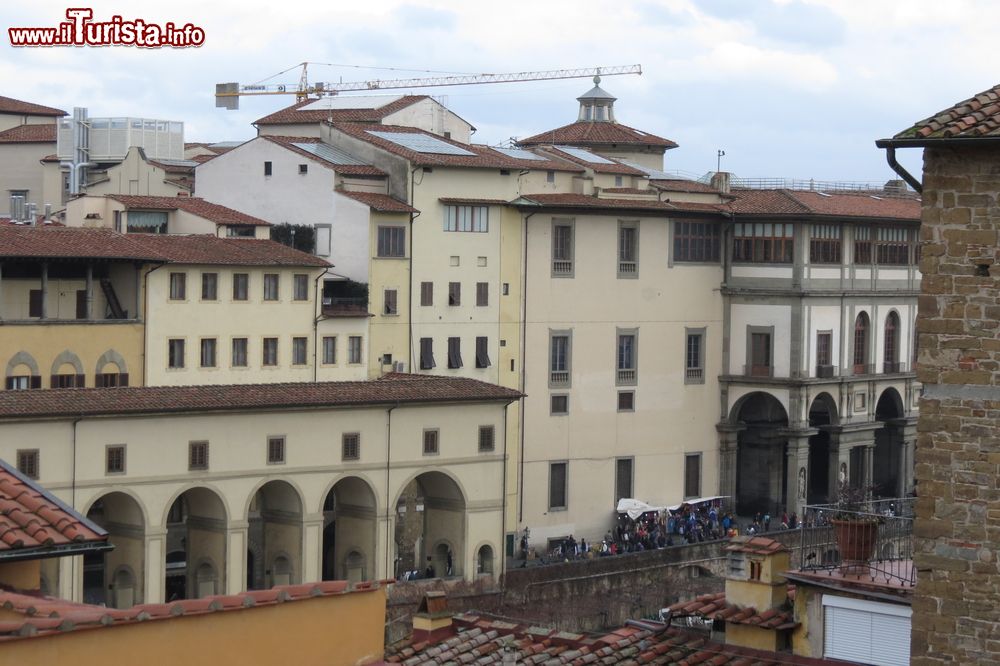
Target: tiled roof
{"points": [[291, 115], [345, 169], [379, 202], [585, 201], [208, 249], [584, 133], [627, 190], [481, 640], [473, 201], [755, 545], [608, 166], [205, 209], [11, 105], [484, 157], [37, 133], [975, 117], [34, 523], [715, 607], [833, 204], [47, 616], [388, 390], [681, 185]]}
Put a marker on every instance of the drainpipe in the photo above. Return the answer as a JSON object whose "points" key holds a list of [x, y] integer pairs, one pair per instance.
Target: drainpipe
{"points": [[524, 341], [409, 304], [388, 498], [145, 328], [72, 502], [317, 317], [890, 157], [503, 499]]}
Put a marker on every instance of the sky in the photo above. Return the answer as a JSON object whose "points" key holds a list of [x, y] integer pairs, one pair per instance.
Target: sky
{"points": [[787, 88]]}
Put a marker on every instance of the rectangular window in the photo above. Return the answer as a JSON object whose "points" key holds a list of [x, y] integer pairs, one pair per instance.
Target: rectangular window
{"points": [[557, 485], [209, 286], [27, 462], [197, 455], [824, 357], [67, 381], [269, 351], [760, 354], [487, 436], [862, 245], [628, 249], [626, 401], [454, 293], [454, 353], [329, 349], [303, 169], [892, 246], [241, 284], [431, 442], [391, 242], [270, 286], [323, 234], [824, 244], [482, 294], [763, 242], [559, 358], [559, 404], [694, 356], [81, 304], [208, 352], [426, 353], [627, 374], [175, 353], [114, 461], [299, 351], [692, 475], [697, 242], [147, 221], [623, 478], [275, 450], [239, 359], [482, 352], [110, 379], [562, 249], [351, 446], [35, 303], [389, 302], [267, 168], [550, 176], [426, 293], [178, 286], [354, 349], [300, 287], [467, 218]]}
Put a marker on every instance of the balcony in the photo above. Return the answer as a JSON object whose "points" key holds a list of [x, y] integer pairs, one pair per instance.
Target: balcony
{"points": [[626, 377], [628, 269], [559, 378], [561, 267], [353, 306], [695, 374], [863, 369], [872, 545]]}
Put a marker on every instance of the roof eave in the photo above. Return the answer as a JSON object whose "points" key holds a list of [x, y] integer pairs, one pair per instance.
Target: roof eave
{"points": [[930, 142], [62, 550]]}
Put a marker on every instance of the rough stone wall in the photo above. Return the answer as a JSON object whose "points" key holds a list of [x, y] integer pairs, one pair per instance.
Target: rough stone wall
{"points": [[956, 606]]}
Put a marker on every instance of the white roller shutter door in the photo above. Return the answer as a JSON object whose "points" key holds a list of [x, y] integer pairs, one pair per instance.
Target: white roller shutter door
{"points": [[867, 632]]}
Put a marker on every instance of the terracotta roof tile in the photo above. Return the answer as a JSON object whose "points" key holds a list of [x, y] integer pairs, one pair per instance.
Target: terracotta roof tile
{"points": [[715, 607], [16, 106], [976, 117], [585, 201], [584, 133], [379, 202], [35, 521], [291, 115], [345, 169], [194, 205], [801, 203], [36, 133], [207, 249], [682, 185]]}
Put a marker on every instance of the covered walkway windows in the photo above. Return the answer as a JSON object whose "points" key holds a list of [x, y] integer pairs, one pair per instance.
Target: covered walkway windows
{"points": [[763, 242]]}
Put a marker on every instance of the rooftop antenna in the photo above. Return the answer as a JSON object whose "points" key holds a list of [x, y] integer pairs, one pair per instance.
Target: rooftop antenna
{"points": [[719, 154]]}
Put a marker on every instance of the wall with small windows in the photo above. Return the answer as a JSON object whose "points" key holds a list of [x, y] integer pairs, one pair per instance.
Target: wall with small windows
{"points": [[334, 348], [389, 293]]}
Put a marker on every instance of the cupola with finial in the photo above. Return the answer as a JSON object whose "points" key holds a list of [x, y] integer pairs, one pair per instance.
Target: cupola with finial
{"points": [[597, 104]]}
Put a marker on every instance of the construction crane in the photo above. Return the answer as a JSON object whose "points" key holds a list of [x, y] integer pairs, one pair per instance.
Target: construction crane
{"points": [[227, 95]]}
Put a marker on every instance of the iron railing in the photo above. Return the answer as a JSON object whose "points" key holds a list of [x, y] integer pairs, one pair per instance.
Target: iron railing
{"points": [[872, 544]]}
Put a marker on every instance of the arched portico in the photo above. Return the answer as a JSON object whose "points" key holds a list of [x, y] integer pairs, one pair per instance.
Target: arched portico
{"points": [[889, 443], [430, 524], [760, 455], [349, 531], [821, 481], [115, 578], [275, 531], [195, 557]]}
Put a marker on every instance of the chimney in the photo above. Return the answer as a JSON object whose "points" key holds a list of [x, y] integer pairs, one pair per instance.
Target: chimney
{"points": [[432, 621], [720, 181], [895, 187]]}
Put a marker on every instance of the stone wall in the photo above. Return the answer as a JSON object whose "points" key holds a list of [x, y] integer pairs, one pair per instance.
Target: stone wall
{"points": [[956, 616]]}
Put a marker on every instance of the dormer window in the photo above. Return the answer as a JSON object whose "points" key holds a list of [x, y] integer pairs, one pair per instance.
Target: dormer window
{"points": [[600, 113], [588, 112]]}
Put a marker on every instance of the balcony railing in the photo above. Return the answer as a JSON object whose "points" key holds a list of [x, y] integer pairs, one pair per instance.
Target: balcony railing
{"points": [[561, 267], [626, 376], [558, 377], [628, 268], [873, 544], [694, 373]]}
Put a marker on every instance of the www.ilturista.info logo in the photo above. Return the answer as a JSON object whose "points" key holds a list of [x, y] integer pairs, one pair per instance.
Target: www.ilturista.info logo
{"points": [[82, 30]]}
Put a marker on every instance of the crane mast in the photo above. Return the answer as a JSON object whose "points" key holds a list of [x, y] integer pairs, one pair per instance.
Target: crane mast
{"points": [[227, 95]]}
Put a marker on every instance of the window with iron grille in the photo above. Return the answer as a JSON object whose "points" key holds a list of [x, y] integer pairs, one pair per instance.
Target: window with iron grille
{"points": [[627, 356], [454, 353], [351, 449], [330, 349], [763, 242], [115, 459], [299, 351], [239, 359], [562, 249], [300, 287], [694, 356], [892, 246], [482, 294], [391, 242], [431, 442], [626, 401], [198, 455], [560, 356], [269, 351], [178, 286], [623, 478], [761, 360], [559, 404], [426, 293], [482, 352], [175, 353], [628, 249], [241, 286], [557, 485], [486, 438], [209, 286], [208, 346], [861, 328], [467, 218], [824, 353], [692, 475], [354, 349], [27, 462], [271, 286], [824, 244], [697, 242], [891, 360], [426, 353], [454, 293], [862, 245], [389, 302], [275, 450]]}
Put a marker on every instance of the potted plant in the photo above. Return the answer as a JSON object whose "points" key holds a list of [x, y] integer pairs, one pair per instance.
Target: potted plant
{"points": [[855, 527]]}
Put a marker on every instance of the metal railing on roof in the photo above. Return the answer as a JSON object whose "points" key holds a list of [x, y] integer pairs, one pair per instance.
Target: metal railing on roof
{"points": [[812, 185]]}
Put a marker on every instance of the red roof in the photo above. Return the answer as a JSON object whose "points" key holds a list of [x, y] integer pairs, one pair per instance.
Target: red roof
{"points": [[388, 390], [208, 249], [601, 203], [46, 616], [379, 202], [587, 133], [291, 115], [605, 166], [681, 185], [345, 169], [205, 209], [833, 204], [34, 523], [36, 133], [16, 106], [976, 117], [756, 545], [715, 607]]}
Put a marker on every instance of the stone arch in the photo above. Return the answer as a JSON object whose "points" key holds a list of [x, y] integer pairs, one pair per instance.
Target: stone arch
{"points": [[823, 414], [350, 524], [121, 514], [66, 357], [197, 487], [111, 356], [485, 559], [274, 516], [752, 405], [196, 521], [287, 482], [441, 521], [888, 455], [22, 358], [760, 454]]}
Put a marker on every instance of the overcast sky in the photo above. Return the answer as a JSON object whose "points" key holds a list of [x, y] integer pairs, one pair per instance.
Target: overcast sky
{"points": [[788, 88]]}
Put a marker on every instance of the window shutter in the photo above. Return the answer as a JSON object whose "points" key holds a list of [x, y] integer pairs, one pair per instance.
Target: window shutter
{"points": [[81, 381], [35, 303], [53, 381], [36, 382], [123, 379], [557, 485], [482, 354]]}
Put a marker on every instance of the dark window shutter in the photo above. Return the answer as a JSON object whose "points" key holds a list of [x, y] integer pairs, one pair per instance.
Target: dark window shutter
{"points": [[81, 303], [36, 382], [53, 381], [123, 379], [81, 381], [35, 303]]}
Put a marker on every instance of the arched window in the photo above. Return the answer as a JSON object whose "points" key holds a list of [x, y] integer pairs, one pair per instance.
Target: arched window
{"points": [[891, 361], [484, 560], [861, 328]]}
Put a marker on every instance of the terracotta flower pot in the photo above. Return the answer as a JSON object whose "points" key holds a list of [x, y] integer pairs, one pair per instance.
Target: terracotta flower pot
{"points": [[856, 539]]}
